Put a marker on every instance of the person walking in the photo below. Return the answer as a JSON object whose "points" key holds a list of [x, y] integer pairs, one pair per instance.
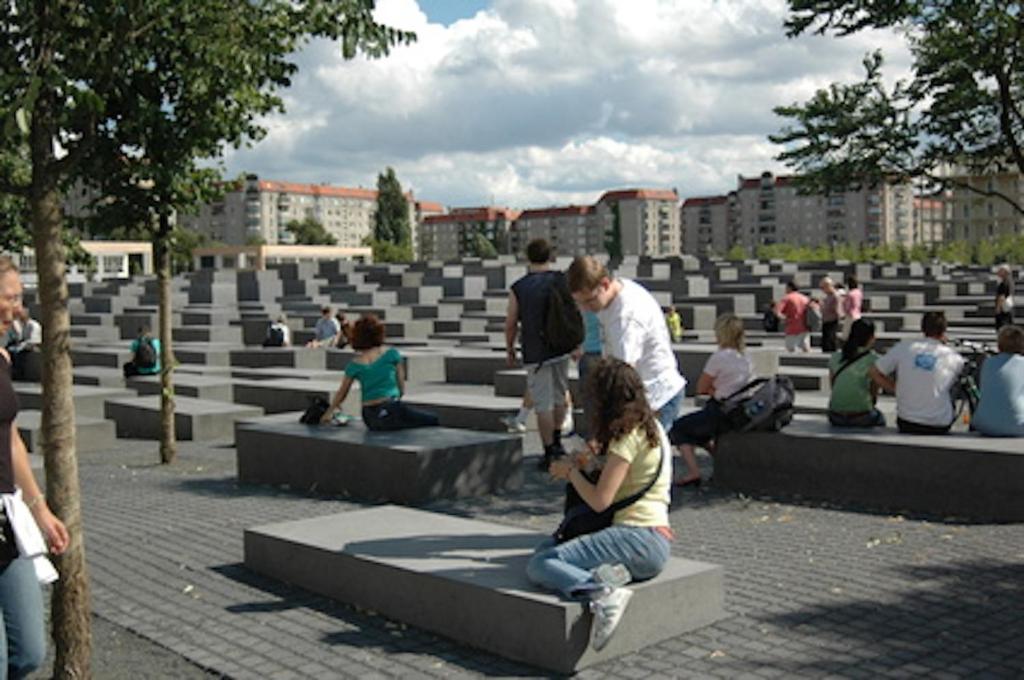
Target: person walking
{"points": [[675, 324], [633, 330], [852, 303], [830, 315], [793, 308], [1004, 297], [547, 370]]}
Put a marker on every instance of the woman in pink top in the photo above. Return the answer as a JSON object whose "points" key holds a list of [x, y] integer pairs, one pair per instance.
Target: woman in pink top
{"points": [[726, 372], [853, 301]]}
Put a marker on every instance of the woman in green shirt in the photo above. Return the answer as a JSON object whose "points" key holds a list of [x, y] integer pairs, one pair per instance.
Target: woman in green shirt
{"points": [[852, 403], [381, 378]]}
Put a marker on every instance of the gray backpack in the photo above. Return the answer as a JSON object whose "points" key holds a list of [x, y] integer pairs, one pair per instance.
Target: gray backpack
{"points": [[764, 404]]}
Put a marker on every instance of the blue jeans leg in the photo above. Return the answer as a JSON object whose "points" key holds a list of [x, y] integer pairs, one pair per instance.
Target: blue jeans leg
{"points": [[23, 642], [670, 409], [567, 567], [394, 415]]}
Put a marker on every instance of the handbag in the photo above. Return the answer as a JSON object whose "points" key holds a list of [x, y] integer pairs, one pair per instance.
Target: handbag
{"points": [[315, 411], [580, 518]]}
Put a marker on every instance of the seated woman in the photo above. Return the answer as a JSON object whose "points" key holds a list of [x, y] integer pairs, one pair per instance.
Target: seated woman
{"points": [[726, 371], [1001, 407], [854, 394], [381, 378], [634, 452]]}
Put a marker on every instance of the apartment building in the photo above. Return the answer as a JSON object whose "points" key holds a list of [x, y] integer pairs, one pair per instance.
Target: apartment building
{"points": [[257, 211], [457, 234], [706, 225], [974, 216], [931, 219], [649, 222], [572, 230]]}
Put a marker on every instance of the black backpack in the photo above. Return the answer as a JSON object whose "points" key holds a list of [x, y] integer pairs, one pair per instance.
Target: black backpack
{"points": [[563, 324], [145, 353], [770, 321], [275, 337], [765, 404]]}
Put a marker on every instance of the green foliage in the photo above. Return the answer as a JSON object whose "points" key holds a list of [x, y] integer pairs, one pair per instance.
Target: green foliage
{"points": [[737, 252], [613, 244], [391, 222], [481, 246], [309, 232], [183, 243], [961, 107], [386, 251]]}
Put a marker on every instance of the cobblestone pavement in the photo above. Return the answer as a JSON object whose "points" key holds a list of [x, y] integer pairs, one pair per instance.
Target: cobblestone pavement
{"points": [[811, 591]]}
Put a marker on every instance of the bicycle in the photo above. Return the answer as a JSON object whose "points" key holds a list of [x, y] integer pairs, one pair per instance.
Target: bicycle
{"points": [[966, 390]]}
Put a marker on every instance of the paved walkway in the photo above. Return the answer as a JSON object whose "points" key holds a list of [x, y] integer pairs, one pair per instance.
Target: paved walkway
{"points": [[810, 591]]}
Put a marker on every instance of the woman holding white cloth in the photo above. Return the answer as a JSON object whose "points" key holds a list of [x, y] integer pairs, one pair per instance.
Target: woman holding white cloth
{"points": [[23, 514]]}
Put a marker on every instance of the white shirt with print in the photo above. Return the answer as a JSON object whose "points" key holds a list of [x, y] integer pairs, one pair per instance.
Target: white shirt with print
{"points": [[925, 370], [634, 331]]}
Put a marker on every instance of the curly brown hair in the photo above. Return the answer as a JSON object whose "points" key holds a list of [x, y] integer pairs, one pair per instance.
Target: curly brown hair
{"points": [[367, 333], [620, 403]]}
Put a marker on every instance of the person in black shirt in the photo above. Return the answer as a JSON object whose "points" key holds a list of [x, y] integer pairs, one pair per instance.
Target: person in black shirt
{"points": [[1004, 297]]}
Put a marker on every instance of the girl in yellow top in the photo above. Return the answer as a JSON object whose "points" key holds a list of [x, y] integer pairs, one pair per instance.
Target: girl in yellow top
{"points": [[597, 566]]}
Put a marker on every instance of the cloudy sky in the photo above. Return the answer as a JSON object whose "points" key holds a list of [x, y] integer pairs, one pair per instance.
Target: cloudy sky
{"points": [[530, 103]]}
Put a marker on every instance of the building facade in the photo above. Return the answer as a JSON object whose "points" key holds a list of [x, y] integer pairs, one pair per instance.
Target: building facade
{"points": [[769, 209], [458, 234], [258, 211], [974, 216]]}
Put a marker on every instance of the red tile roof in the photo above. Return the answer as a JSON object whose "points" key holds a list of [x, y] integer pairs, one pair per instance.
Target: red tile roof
{"points": [[755, 182], [640, 194], [429, 206], [318, 190], [473, 215], [556, 211], [704, 200]]}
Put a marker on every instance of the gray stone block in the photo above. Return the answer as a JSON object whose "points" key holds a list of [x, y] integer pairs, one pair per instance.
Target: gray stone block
{"points": [[88, 400], [111, 357], [407, 466], [281, 395], [469, 411], [194, 419], [959, 474], [289, 357], [91, 434], [98, 376], [474, 369], [185, 385], [465, 579]]}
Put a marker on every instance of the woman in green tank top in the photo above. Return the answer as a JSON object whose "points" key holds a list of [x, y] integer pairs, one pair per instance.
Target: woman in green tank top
{"points": [[381, 377]]}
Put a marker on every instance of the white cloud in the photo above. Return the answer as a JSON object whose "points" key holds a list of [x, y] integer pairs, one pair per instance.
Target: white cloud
{"points": [[536, 102]]}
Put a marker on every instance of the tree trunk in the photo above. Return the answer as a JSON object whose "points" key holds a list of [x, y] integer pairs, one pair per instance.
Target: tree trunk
{"points": [[70, 601], [168, 445]]}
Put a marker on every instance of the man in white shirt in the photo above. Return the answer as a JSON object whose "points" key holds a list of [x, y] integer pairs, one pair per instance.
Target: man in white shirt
{"points": [[326, 329], [925, 370], [633, 330]]}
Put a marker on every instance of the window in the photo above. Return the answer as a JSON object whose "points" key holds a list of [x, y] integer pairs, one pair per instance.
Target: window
{"points": [[112, 263]]}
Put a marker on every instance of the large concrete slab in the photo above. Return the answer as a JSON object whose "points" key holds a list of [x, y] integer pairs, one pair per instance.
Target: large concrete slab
{"points": [[407, 466], [91, 434], [88, 400], [278, 396], [289, 357], [465, 579], [216, 388], [959, 474], [469, 411], [194, 419]]}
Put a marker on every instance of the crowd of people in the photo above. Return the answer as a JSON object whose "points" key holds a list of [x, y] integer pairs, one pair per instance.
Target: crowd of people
{"points": [[632, 396]]}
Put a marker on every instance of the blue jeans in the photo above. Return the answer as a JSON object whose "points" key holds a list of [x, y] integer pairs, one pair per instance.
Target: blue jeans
{"points": [[670, 409], [394, 415], [23, 642], [567, 567]]}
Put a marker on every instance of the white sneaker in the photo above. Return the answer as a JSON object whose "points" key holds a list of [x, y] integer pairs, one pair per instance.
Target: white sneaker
{"points": [[607, 610], [567, 424], [512, 424]]}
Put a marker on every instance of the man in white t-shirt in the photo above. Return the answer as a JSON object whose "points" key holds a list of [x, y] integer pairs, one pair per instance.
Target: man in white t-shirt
{"points": [[633, 330], [925, 370]]}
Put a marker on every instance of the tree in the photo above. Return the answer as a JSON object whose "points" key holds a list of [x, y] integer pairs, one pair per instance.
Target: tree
{"points": [[119, 90], [309, 232], [613, 243], [391, 222], [737, 252], [481, 246], [961, 109]]}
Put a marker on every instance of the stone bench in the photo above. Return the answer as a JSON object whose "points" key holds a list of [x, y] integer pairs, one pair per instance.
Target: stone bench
{"points": [[97, 376], [407, 466], [288, 357], [109, 357], [194, 419], [282, 395], [465, 579], [959, 474], [469, 411], [91, 434], [473, 368], [88, 400], [185, 385]]}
